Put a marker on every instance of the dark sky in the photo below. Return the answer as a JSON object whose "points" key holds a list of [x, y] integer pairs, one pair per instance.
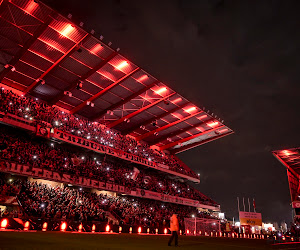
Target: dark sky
{"points": [[239, 59]]}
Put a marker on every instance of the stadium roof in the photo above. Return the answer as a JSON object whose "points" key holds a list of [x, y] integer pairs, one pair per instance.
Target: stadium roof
{"points": [[46, 56], [290, 158]]}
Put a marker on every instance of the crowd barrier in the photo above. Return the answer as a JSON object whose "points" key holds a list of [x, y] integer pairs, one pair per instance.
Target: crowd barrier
{"points": [[104, 227]]}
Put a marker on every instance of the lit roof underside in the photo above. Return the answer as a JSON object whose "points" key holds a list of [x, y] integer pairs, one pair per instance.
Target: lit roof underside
{"points": [[51, 56], [290, 158]]}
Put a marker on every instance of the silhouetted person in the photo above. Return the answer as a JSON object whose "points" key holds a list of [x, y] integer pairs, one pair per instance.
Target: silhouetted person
{"points": [[174, 227]]}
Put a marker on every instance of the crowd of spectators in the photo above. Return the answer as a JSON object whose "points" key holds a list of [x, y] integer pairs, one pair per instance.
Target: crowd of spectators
{"points": [[75, 204], [22, 148], [7, 189], [35, 110]]}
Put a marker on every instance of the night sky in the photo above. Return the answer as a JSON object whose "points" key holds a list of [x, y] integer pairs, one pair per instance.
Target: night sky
{"points": [[240, 60]]}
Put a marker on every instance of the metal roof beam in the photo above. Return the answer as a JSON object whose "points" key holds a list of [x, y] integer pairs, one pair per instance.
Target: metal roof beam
{"points": [[179, 132], [54, 65], [115, 123], [172, 144], [26, 46], [284, 163], [84, 77], [125, 100], [196, 144], [128, 131], [103, 91], [143, 136]]}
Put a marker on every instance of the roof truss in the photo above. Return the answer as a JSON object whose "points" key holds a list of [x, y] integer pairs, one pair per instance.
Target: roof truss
{"points": [[167, 126], [127, 117], [103, 91], [125, 100]]}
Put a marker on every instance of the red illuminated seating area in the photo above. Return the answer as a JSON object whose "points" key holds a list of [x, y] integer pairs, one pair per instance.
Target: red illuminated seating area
{"points": [[75, 204], [19, 147], [7, 190], [33, 109]]}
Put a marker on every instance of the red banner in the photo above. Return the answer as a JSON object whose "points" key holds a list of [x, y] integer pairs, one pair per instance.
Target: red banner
{"points": [[20, 169]]}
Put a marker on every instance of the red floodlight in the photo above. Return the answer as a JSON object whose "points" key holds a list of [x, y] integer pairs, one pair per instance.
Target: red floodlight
{"points": [[161, 90], [4, 223], [213, 124], [189, 110], [142, 78], [67, 30], [26, 226], [107, 228], [63, 226], [45, 225], [96, 48], [122, 65]]}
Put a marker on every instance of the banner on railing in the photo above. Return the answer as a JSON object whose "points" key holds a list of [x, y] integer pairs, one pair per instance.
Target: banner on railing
{"points": [[21, 169], [43, 130], [97, 147], [58, 134], [11, 167], [167, 198]]}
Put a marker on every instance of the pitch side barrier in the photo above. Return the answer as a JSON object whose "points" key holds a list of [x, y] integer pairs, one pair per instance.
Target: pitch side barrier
{"points": [[37, 224], [47, 132], [40, 173]]}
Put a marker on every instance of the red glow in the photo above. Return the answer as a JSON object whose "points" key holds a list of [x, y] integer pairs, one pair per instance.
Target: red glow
{"points": [[122, 65], [165, 231], [148, 230], [130, 230], [190, 109], [286, 152], [161, 90], [187, 231], [107, 228], [80, 228], [96, 48], [212, 124], [142, 78], [93, 228], [67, 30], [139, 230], [31, 7], [156, 231], [26, 226], [120, 229], [45, 225], [4, 223], [223, 130], [202, 117], [63, 226], [177, 100]]}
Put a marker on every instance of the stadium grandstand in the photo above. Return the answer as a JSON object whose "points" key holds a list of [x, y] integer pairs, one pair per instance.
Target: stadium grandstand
{"points": [[290, 158], [87, 136]]}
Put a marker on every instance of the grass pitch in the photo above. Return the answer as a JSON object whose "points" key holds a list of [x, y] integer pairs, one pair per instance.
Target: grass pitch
{"points": [[58, 240]]}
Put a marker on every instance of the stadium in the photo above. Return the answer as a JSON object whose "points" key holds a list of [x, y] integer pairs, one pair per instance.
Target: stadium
{"points": [[89, 142]]}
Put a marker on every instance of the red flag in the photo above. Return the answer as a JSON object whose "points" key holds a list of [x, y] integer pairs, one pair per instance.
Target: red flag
{"points": [[135, 173], [76, 161], [254, 204]]}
